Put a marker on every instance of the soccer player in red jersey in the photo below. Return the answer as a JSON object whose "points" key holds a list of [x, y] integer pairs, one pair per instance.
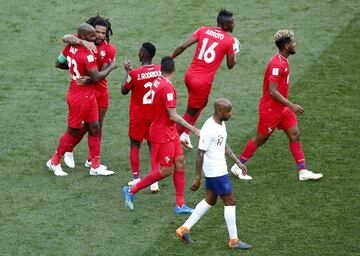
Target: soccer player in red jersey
{"points": [[213, 43], [104, 53], [166, 145], [83, 108], [139, 81], [276, 111]]}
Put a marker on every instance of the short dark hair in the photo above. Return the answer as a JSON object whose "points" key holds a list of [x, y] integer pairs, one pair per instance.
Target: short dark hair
{"points": [[223, 15], [167, 65], [100, 21], [150, 48]]}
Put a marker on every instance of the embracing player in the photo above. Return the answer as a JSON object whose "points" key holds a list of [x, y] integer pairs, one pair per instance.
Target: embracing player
{"points": [[104, 54], [83, 109], [276, 111], [139, 81], [213, 44]]}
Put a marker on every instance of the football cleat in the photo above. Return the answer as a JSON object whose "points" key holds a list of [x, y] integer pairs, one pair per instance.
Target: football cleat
{"points": [[100, 171], [308, 175], [128, 197], [69, 159], [134, 182], [88, 164], [185, 140], [184, 209], [238, 173], [237, 244], [184, 234], [56, 169], [154, 187]]}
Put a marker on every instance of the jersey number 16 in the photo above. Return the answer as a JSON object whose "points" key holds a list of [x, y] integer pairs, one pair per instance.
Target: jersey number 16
{"points": [[208, 54]]}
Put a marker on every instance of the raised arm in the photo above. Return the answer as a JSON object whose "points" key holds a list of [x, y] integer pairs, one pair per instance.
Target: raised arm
{"points": [[127, 67], [73, 40], [188, 42]]}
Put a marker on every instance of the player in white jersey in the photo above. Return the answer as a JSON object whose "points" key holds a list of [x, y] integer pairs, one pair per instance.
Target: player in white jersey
{"points": [[211, 159]]}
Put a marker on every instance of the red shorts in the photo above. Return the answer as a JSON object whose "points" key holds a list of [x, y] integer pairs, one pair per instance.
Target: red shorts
{"points": [[268, 121], [81, 110], [198, 90], [102, 98], [165, 153], [139, 129]]}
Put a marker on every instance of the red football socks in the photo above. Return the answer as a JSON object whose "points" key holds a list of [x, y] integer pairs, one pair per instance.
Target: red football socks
{"points": [[135, 161], [66, 143], [94, 150], [248, 151], [298, 154], [149, 179], [179, 184]]}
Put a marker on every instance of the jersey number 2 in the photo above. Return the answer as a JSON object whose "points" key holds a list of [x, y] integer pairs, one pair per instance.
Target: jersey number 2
{"points": [[149, 96], [208, 54]]}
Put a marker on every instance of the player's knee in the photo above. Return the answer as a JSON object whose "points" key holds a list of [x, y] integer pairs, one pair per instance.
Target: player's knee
{"points": [[94, 129], [73, 131], [295, 137], [180, 163], [165, 171]]}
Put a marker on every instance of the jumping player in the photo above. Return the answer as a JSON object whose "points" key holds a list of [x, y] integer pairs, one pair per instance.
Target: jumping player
{"points": [[213, 43], [166, 145], [83, 109], [104, 53], [211, 159], [139, 81], [276, 111]]}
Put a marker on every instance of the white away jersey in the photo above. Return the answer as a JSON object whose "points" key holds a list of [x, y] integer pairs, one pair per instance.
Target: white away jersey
{"points": [[213, 141]]}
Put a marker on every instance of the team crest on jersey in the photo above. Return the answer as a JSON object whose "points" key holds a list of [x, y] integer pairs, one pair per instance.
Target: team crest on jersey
{"points": [[90, 58], [102, 54], [167, 159]]}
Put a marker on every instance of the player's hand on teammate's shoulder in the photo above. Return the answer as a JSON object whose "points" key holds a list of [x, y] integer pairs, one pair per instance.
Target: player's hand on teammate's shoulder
{"points": [[88, 45], [297, 109], [84, 80], [196, 183]]}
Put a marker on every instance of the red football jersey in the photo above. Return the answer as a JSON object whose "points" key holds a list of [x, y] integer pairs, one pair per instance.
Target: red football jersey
{"points": [[79, 60], [278, 72], [162, 129], [105, 53], [213, 44], [140, 81]]}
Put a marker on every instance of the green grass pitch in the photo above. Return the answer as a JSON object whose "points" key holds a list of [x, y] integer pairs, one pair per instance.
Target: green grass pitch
{"points": [[41, 214]]}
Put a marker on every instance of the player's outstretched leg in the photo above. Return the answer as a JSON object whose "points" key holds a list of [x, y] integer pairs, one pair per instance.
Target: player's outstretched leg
{"points": [[184, 234], [128, 197]]}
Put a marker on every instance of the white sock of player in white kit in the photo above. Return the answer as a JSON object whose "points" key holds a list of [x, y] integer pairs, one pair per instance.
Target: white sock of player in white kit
{"points": [[230, 218], [198, 212]]}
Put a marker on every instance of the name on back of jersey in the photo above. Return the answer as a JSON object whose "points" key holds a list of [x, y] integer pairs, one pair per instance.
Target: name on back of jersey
{"points": [[214, 34], [148, 75]]}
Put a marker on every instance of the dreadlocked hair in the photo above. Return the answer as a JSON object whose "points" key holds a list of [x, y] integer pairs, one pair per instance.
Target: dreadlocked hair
{"points": [[283, 37], [100, 21]]}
